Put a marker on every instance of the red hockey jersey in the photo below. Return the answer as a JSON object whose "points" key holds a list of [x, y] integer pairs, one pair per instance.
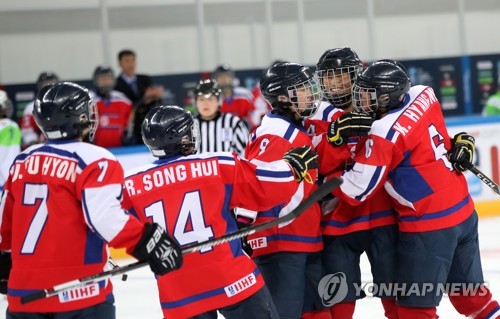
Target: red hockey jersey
{"points": [[191, 197], [406, 152], [270, 142], [114, 117], [345, 218], [60, 207]]}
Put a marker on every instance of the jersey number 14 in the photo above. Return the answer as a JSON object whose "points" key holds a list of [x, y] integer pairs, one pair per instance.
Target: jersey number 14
{"points": [[190, 226]]}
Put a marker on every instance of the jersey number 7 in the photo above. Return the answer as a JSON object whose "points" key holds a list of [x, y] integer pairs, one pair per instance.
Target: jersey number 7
{"points": [[35, 195]]}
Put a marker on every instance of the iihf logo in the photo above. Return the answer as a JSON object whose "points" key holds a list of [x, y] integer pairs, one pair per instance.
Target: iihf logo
{"points": [[231, 291], [65, 296], [332, 289]]}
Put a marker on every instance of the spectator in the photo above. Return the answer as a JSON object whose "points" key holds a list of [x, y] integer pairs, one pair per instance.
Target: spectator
{"points": [[236, 100], [114, 110], [492, 106], [220, 132], [138, 88], [30, 132], [10, 137]]}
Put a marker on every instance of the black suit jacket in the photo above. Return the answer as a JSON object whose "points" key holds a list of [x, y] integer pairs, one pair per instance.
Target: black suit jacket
{"points": [[143, 82]]}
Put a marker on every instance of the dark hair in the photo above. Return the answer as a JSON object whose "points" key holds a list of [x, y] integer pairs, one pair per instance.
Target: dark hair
{"points": [[125, 52]]}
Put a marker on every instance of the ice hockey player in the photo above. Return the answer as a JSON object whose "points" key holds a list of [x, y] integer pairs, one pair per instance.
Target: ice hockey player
{"points": [[349, 231], [60, 209], [407, 153], [191, 195]]}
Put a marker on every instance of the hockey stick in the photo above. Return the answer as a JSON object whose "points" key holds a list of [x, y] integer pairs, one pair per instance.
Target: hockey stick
{"points": [[485, 179], [315, 196]]}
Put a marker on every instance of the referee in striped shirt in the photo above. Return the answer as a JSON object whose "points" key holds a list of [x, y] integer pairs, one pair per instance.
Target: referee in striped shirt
{"points": [[220, 132]]}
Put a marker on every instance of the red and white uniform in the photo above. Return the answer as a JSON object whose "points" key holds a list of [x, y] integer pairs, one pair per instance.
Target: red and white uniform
{"points": [[114, 117], [405, 152], [240, 104], [191, 196], [60, 206], [29, 129], [345, 218], [318, 123], [269, 142]]}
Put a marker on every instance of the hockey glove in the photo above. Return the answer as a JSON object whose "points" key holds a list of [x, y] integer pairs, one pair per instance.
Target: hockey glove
{"points": [[247, 248], [5, 266], [162, 252], [302, 159], [462, 151], [245, 218], [349, 124]]}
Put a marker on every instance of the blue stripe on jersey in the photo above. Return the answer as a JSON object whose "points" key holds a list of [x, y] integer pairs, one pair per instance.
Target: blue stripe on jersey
{"points": [[21, 292], [273, 212], [360, 219], [87, 215], [418, 187], [439, 214], [49, 149], [132, 212], [491, 313], [198, 297], [235, 245], [286, 119], [289, 132], [93, 248], [372, 183], [297, 238], [278, 174], [25, 292], [327, 111], [390, 134]]}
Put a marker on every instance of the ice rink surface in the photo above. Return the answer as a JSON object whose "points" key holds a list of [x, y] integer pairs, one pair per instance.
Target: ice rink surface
{"points": [[136, 298]]}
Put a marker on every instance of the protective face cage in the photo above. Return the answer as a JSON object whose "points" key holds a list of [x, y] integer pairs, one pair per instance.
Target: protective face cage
{"points": [[337, 88], [93, 119], [364, 99], [305, 97], [191, 141]]}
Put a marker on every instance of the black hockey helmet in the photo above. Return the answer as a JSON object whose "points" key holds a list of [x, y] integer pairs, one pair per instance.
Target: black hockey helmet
{"points": [[103, 88], [337, 62], [207, 87], [381, 87], [6, 107], [65, 110], [282, 82], [169, 131], [46, 78]]}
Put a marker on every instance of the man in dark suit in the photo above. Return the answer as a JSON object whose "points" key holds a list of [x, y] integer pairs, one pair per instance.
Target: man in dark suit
{"points": [[128, 82], [138, 88]]}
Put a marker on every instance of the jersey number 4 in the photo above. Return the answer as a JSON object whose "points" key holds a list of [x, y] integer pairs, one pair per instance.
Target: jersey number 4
{"points": [[190, 226]]}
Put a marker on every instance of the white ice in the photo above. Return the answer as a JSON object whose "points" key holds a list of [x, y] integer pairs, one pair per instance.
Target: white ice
{"points": [[137, 297]]}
